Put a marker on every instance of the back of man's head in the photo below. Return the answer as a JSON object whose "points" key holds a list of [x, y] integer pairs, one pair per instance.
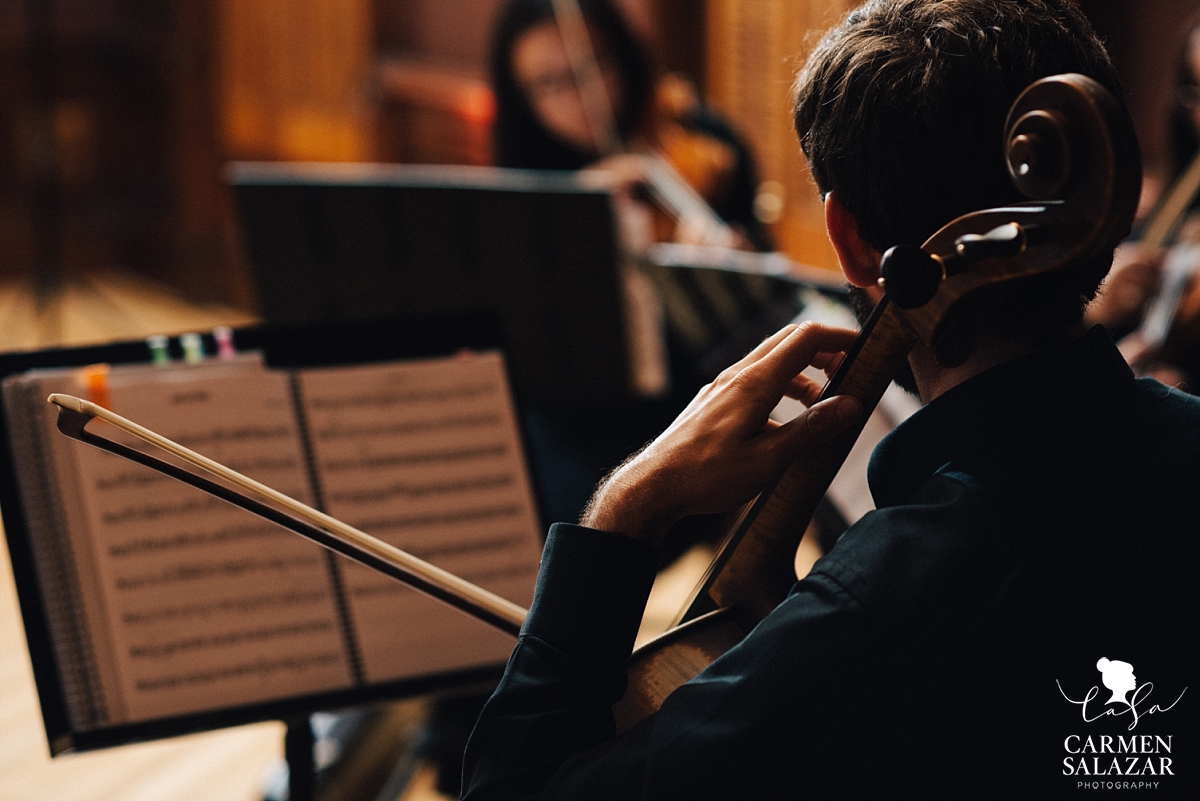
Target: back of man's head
{"points": [[900, 111]]}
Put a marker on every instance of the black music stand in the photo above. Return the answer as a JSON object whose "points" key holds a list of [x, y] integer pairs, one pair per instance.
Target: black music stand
{"points": [[293, 346], [536, 249]]}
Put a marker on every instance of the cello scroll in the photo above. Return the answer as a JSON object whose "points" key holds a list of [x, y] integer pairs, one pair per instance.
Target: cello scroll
{"points": [[1070, 148]]}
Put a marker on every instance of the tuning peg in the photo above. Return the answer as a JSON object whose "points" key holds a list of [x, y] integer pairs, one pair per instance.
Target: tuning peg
{"points": [[1000, 242], [910, 276]]}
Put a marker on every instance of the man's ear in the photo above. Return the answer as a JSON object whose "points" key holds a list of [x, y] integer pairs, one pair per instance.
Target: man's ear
{"points": [[860, 261]]}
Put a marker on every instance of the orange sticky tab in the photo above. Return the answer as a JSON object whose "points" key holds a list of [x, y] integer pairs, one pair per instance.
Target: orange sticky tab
{"points": [[94, 378]]}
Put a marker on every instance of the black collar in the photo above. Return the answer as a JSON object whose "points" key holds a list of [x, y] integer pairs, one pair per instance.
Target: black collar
{"points": [[1034, 390]]}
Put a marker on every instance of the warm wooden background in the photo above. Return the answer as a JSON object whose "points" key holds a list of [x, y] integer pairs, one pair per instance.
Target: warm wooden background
{"points": [[116, 115]]}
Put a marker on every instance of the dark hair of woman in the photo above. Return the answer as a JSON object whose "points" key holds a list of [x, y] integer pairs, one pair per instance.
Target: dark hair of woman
{"points": [[518, 138]]}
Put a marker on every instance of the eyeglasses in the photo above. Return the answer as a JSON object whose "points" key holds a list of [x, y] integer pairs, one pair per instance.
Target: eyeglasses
{"points": [[551, 85]]}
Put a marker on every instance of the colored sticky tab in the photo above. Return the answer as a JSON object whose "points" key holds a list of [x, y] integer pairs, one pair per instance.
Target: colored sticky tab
{"points": [[193, 348], [223, 336], [94, 379], [159, 353]]}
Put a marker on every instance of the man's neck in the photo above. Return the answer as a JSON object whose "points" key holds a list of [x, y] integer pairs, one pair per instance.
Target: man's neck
{"points": [[934, 380]]}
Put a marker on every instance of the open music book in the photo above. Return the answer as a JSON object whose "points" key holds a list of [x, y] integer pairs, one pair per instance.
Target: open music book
{"points": [[162, 601]]}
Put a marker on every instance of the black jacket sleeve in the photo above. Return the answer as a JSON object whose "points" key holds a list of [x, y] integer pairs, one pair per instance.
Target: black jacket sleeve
{"points": [[568, 668]]}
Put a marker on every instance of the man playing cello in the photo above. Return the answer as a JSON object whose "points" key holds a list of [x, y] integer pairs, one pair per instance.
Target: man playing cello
{"points": [[1035, 519]]}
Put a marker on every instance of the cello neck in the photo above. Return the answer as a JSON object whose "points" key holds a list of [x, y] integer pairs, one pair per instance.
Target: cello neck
{"points": [[754, 569]]}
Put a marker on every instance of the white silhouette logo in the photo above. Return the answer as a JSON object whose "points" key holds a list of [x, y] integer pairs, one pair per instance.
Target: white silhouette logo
{"points": [[1118, 677]]}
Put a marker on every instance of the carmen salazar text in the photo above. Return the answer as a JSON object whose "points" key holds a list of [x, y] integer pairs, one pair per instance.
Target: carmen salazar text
{"points": [[1136, 755]]}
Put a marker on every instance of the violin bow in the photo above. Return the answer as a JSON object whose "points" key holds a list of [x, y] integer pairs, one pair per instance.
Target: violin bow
{"points": [[75, 413], [668, 187], [1165, 219], [588, 80]]}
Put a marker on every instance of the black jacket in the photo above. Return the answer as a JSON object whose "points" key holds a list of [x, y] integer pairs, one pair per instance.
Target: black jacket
{"points": [[1031, 521]]}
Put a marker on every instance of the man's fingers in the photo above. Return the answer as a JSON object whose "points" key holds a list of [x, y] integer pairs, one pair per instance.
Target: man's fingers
{"points": [[763, 348], [803, 389], [794, 352], [817, 425], [828, 362]]}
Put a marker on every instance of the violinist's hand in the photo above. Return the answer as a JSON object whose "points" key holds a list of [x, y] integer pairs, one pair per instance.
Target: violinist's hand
{"points": [[624, 176], [620, 174], [724, 448]]}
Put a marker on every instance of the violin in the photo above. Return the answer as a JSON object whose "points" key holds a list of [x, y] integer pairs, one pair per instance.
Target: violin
{"points": [[1070, 148], [672, 151], [1170, 327]]}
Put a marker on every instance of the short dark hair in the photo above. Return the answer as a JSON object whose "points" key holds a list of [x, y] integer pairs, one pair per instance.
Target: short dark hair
{"points": [[900, 111], [518, 138]]}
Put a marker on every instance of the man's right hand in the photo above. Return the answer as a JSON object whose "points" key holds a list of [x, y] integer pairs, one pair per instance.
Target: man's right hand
{"points": [[724, 449]]}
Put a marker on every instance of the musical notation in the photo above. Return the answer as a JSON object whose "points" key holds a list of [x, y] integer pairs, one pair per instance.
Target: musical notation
{"points": [[392, 588], [391, 400], [140, 477], [257, 671], [466, 485], [381, 525], [202, 440], [190, 539], [229, 638], [129, 479], [426, 456], [156, 511], [373, 463], [488, 420], [239, 568], [170, 556], [476, 547], [228, 606]]}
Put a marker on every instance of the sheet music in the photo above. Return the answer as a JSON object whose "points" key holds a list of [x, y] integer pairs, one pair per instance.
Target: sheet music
{"points": [[195, 604], [426, 456]]}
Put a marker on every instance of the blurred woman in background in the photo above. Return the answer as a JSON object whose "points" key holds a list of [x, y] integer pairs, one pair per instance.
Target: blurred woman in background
{"points": [[542, 122], [1151, 299]]}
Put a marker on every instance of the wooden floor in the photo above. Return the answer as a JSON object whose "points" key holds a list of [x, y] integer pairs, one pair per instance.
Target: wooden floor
{"points": [[213, 766]]}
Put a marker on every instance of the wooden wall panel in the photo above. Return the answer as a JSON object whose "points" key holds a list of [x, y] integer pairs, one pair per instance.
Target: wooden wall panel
{"points": [[430, 113], [112, 156], [448, 31], [296, 78], [755, 48], [677, 32], [206, 263]]}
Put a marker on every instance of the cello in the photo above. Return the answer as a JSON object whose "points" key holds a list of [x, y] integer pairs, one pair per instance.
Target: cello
{"points": [[1070, 149]]}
